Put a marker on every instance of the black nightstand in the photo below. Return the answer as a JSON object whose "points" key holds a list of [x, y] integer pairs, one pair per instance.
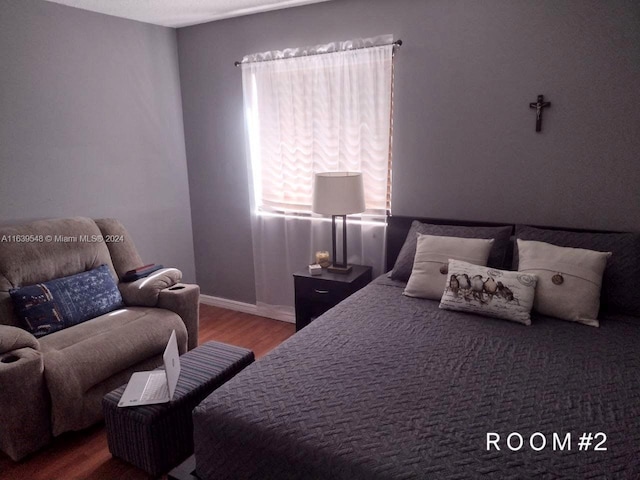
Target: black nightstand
{"points": [[317, 294]]}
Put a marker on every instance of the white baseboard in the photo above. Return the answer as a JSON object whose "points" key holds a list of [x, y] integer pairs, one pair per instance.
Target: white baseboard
{"points": [[229, 304], [284, 314]]}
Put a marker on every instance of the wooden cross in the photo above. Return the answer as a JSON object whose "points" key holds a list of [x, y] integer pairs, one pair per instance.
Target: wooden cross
{"points": [[539, 105]]}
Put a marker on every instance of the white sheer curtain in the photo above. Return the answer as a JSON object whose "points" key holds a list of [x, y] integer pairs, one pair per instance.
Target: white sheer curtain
{"points": [[306, 113]]}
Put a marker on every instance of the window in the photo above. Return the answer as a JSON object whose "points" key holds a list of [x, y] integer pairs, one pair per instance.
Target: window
{"points": [[315, 113]]}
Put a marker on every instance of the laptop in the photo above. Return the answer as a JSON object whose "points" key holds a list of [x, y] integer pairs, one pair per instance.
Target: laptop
{"points": [[155, 386]]}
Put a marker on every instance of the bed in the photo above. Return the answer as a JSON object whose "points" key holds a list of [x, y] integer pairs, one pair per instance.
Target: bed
{"points": [[388, 386]]}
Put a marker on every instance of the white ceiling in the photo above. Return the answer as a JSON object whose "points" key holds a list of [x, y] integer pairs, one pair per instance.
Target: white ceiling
{"points": [[181, 13]]}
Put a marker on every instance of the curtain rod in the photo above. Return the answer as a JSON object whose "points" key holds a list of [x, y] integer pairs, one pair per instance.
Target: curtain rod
{"points": [[397, 43]]}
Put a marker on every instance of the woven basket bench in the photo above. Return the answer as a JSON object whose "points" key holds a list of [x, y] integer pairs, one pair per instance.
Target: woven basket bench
{"points": [[158, 437]]}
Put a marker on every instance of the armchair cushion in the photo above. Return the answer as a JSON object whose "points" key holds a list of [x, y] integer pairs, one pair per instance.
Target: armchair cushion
{"points": [[145, 291], [79, 358], [60, 303], [14, 338]]}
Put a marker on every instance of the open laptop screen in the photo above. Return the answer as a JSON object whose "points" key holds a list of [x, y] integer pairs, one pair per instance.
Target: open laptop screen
{"points": [[172, 363]]}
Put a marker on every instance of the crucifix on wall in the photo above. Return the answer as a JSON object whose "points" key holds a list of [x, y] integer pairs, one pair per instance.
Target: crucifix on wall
{"points": [[539, 105]]}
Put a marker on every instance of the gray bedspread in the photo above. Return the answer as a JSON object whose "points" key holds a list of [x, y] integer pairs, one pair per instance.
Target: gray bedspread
{"points": [[387, 386]]}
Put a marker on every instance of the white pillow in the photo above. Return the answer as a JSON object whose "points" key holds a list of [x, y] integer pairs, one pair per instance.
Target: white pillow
{"points": [[429, 275], [490, 292], [569, 279]]}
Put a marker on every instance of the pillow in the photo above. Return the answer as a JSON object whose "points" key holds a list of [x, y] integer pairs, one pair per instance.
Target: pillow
{"points": [[57, 304], [569, 280], [429, 276], [490, 292], [498, 255], [619, 291]]}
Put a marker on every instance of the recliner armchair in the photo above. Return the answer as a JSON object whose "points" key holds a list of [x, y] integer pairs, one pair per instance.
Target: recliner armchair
{"points": [[55, 383]]}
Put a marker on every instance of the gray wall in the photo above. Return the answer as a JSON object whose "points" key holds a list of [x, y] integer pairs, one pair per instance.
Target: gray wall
{"points": [[464, 139], [91, 125]]}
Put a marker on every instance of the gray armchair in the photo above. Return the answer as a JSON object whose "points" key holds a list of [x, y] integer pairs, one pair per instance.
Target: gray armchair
{"points": [[55, 383]]}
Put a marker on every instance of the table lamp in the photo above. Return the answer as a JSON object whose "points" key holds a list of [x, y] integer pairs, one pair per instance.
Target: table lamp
{"points": [[338, 194]]}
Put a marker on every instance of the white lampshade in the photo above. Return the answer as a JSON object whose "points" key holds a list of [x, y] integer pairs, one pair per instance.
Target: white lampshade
{"points": [[338, 193]]}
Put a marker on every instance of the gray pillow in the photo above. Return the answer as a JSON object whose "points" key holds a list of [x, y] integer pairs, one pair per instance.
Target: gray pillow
{"points": [[404, 263], [619, 282]]}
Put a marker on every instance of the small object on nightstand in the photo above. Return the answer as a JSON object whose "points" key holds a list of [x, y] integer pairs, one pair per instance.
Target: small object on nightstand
{"points": [[322, 259], [315, 269], [317, 294]]}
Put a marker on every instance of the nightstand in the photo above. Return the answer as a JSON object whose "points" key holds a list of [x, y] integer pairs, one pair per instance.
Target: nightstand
{"points": [[317, 294]]}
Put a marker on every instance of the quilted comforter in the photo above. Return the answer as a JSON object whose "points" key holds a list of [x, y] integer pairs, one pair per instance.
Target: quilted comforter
{"points": [[387, 386]]}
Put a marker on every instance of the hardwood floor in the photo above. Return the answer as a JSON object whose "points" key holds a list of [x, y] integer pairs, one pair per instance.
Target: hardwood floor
{"points": [[85, 455]]}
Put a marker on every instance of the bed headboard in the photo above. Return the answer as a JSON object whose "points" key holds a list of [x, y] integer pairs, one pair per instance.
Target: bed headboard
{"points": [[398, 227]]}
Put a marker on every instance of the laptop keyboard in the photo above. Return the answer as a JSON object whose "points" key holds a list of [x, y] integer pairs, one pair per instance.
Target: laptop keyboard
{"points": [[155, 388]]}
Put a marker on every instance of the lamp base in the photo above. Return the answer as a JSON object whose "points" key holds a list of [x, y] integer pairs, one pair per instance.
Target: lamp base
{"points": [[337, 269]]}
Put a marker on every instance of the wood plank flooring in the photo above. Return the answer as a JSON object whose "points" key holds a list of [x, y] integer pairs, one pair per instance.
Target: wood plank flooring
{"points": [[85, 455]]}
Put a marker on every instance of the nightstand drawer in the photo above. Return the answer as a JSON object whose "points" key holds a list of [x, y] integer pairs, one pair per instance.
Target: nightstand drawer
{"points": [[322, 291], [315, 294]]}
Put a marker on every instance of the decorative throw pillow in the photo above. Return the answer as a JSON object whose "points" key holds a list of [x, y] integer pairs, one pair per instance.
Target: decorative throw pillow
{"points": [[429, 276], [57, 304], [569, 279], [497, 256], [490, 292], [619, 291]]}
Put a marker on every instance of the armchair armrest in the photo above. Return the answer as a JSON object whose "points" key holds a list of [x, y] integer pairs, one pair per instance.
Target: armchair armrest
{"points": [[184, 299], [24, 401], [14, 338], [145, 292]]}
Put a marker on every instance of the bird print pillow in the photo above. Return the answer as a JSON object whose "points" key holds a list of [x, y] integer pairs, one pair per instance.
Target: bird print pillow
{"points": [[490, 292]]}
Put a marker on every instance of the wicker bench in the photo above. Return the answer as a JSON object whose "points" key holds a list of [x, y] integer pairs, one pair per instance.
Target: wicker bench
{"points": [[156, 438]]}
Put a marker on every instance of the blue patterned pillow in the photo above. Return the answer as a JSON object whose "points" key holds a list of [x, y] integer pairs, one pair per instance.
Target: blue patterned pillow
{"points": [[57, 304]]}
